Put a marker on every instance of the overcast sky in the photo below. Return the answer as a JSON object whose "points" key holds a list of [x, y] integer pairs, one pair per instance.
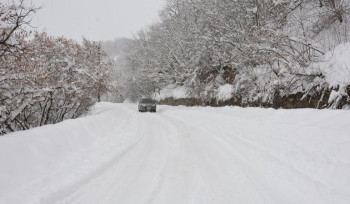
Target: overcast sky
{"points": [[95, 19]]}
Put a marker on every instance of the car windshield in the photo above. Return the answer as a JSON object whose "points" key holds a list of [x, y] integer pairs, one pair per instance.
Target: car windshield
{"points": [[147, 100]]}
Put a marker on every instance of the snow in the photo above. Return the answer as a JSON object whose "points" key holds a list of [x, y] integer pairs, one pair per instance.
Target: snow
{"points": [[225, 92], [253, 10], [336, 65], [181, 155], [172, 91]]}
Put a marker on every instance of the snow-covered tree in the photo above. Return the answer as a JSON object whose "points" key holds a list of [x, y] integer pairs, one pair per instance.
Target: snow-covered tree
{"points": [[43, 79], [13, 19], [263, 48]]}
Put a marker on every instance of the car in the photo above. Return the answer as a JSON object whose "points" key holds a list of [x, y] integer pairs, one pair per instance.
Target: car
{"points": [[147, 104]]}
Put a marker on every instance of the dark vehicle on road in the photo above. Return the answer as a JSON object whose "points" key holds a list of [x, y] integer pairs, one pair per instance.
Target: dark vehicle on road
{"points": [[147, 104]]}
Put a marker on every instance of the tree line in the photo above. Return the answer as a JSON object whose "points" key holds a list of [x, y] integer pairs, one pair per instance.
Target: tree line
{"points": [[45, 79], [263, 48]]}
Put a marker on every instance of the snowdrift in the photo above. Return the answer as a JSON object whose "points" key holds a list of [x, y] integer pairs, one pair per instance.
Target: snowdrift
{"points": [[45, 164]]}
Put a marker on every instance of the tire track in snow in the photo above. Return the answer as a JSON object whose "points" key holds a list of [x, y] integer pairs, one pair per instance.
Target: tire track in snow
{"points": [[71, 193], [161, 175], [135, 170], [264, 152], [206, 190], [230, 155], [244, 160]]}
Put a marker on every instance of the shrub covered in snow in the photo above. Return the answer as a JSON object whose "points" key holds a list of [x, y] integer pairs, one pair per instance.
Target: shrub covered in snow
{"points": [[44, 80]]}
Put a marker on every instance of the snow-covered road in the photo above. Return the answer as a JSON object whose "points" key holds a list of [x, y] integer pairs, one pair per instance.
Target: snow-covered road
{"points": [[181, 155]]}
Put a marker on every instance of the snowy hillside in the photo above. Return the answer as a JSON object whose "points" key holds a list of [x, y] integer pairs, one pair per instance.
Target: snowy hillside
{"points": [[181, 155], [280, 54]]}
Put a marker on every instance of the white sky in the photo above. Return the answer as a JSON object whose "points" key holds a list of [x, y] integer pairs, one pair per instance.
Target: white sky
{"points": [[95, 19]]}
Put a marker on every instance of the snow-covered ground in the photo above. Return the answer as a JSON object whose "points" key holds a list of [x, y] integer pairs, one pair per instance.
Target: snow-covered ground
{"points": [[181, 155]]}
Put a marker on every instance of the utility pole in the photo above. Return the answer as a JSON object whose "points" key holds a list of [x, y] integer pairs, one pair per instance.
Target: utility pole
{"points": [[99, 67]]}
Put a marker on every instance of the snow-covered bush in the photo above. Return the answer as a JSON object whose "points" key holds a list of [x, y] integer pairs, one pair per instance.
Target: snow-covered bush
{"points": [[43, 79], [51, 80]]}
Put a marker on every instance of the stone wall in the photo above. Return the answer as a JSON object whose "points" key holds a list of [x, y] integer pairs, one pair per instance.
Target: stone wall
{"points": [[318, 100]]}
